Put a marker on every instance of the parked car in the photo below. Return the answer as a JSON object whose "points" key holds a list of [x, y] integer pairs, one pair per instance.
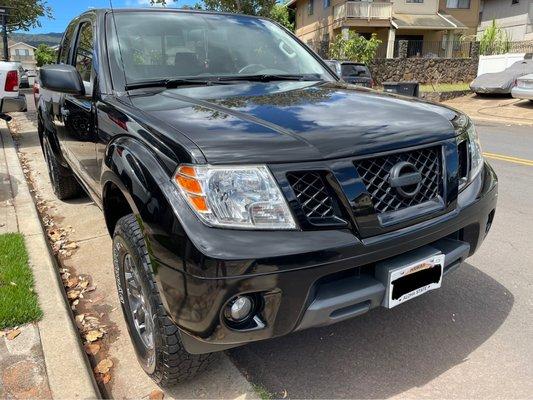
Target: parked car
{"points": [[352, 72], [501, 82], [524, 88], [10, 97], [249, 194]]}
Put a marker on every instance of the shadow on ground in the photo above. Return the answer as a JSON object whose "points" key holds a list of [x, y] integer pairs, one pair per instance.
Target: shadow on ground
{"points": [[8, 187], [384, 352]]}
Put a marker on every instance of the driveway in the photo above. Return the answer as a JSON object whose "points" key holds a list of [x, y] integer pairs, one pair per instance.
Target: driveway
{"points": [[473, 338], [505, 110]]}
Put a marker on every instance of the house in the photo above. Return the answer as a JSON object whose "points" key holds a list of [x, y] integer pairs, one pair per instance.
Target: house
{"points": [[430, 27], [21, 52], [515, 16], [24, 53]]}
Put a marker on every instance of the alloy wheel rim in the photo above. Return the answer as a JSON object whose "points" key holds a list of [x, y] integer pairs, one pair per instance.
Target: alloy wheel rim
{"points": [[138, 304]]}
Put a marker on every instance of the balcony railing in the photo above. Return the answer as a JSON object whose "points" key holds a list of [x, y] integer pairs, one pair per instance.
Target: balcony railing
{"points": [[363, 10]]}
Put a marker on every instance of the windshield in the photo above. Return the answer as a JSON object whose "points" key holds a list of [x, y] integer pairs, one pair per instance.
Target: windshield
{"points": [[171, 45]]}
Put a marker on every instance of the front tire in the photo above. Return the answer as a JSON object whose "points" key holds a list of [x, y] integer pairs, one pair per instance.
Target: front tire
{"points": [[155, 337]]}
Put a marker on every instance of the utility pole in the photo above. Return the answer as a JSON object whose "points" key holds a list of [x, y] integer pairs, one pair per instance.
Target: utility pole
{"points": [[4, 13]]}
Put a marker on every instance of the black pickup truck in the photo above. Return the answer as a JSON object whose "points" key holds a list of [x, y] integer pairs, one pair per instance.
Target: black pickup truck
{"points": [[249, 193]]}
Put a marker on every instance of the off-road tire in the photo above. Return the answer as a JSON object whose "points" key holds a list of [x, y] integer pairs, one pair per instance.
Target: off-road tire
{"points": [[168, 363], [63, 182]]}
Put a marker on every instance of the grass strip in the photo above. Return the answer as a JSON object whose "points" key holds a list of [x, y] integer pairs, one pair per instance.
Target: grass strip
{"points": [[18, 301], [444, 87]]}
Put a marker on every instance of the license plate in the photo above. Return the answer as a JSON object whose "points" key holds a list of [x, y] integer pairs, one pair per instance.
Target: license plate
{"points": [[410, 281]]}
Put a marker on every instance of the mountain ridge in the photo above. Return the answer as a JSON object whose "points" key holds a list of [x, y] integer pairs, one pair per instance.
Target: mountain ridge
{"points": [[35, 39]]}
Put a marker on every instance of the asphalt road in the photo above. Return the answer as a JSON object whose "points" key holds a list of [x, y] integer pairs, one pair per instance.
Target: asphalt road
{"points": [[473, 338]]}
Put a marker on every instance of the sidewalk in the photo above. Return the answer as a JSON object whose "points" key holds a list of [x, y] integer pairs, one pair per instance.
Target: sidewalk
{"points": [[45, 359], [22, 366]]}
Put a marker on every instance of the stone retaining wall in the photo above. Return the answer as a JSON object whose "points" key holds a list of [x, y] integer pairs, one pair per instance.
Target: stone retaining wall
{"points": [[424, 70], [443, 96]]}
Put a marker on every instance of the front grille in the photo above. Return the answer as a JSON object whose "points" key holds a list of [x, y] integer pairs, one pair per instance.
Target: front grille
{"points": [[312, 194], [375, 174]]}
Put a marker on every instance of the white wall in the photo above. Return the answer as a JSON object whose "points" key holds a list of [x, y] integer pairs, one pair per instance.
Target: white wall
{"points": [[498, 62]]}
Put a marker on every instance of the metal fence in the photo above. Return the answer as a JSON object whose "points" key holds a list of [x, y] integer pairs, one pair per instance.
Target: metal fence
{"points": [[427, 49]]}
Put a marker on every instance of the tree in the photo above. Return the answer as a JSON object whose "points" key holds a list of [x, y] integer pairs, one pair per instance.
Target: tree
{"points": [[44, 55], [495, 40], [25, 14], [281, 14], [251, 7], [354, 48]]}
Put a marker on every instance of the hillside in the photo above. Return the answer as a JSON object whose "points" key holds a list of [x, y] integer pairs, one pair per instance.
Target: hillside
{"points": [[36, 39]]}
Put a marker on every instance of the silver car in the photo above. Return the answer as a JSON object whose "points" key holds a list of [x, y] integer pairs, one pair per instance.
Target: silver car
{"points": [[523, 88]]}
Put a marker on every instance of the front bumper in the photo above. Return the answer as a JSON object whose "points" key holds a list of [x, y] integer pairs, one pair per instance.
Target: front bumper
{"points": [[332, 270]]}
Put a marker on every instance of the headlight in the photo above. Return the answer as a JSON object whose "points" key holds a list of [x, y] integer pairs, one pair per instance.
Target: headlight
{"points": [[234, 196], [474, 148]]}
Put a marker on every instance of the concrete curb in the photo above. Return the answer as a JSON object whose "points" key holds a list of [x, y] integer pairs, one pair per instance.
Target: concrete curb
{"points": [[68, 369]]}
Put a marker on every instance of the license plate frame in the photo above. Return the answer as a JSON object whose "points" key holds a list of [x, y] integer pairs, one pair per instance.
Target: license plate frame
{"points": [[403, 283]]}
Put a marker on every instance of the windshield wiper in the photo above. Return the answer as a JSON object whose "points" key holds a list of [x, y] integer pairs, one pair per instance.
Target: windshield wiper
{"points": [[269, 78], [169, 83]]}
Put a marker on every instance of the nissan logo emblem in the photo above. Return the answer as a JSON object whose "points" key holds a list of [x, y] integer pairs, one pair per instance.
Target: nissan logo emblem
{"points": [[406, 179]]}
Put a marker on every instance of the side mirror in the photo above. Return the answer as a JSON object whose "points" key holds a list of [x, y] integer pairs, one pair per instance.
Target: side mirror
{"points": [[61, 78]]}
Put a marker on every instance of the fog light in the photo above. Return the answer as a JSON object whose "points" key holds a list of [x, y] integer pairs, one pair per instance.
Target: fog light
{"points": [[239, 309]]}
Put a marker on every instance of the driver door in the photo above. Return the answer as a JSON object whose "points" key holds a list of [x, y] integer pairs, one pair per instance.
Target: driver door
{"points": [[78, 112]]}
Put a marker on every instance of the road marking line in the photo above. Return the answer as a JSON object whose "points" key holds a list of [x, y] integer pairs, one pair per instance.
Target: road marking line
{"points": [[516, 160]]}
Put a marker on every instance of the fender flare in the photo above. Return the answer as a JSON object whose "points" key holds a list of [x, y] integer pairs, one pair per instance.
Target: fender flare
{"points": [[135, 171]]}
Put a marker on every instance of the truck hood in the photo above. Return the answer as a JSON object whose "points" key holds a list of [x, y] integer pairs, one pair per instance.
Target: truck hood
{"points": [[294, 121]]}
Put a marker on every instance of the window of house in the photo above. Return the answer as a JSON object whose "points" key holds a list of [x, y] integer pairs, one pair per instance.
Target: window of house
{"points": [[310, 7], [457, 3], [414, 1], [515, 2], [327, 3], [84, 51], [22, 52]]}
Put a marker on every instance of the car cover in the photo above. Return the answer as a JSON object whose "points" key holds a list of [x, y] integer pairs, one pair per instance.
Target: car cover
{"points": [[502, 82]]}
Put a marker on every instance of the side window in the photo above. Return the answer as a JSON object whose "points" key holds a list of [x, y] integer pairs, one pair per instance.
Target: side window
{"points": [[84, 51], [64, 49]]}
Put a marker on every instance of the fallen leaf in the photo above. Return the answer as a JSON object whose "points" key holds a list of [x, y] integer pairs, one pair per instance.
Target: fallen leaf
{"points": [[72, 282], [103, 366], [106, 378], [156, 394], [12, 334], [84, 284], [92, 348], [93, 335], [70, 246], [90, 288], [73, 294], [12, 283]]}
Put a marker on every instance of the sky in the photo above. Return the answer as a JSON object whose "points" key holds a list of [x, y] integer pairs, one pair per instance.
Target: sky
{"points": [[65, 10]]}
